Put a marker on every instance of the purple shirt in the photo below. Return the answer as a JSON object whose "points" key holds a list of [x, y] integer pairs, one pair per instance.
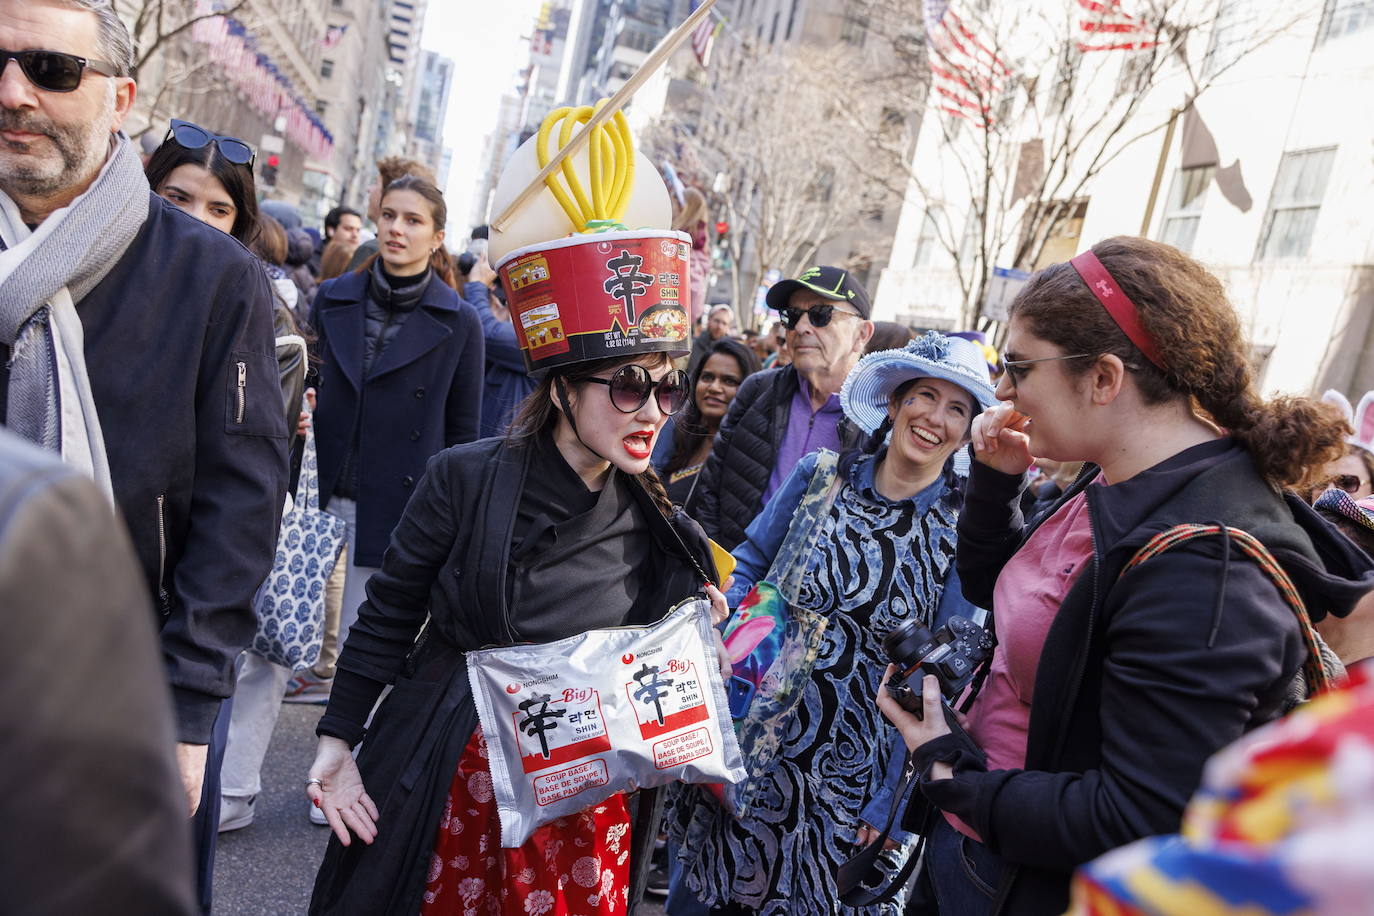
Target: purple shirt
{"points": [[806, 432]]}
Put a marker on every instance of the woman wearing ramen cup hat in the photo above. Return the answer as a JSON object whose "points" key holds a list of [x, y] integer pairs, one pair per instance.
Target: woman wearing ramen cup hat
{"points": [[884, 558], [559, 528], [1121, 667]]}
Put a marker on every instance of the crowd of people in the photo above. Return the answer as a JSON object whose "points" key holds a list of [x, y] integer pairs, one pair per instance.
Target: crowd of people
{"points": [[1159, 561]]}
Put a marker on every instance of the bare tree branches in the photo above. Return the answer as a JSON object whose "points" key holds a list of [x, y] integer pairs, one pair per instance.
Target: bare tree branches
{"points": [[158, 22], [1032, 90], [772, 143]]}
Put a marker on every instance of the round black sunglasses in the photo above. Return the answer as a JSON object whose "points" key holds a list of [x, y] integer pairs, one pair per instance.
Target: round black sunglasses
{"points": [[193, 136], [55, 71], [631, 386]]}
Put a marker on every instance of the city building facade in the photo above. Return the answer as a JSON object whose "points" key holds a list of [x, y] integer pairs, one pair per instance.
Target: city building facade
{"points": [[312, 85], [1265, 176]]}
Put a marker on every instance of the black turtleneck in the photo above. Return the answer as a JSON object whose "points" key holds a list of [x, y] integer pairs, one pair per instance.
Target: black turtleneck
{"points": [[390, 300]]}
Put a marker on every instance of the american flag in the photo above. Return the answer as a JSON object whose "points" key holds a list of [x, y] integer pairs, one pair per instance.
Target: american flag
{"points": [[1108, 27], [966, 75], [333, 35], [703, 36], [234, 51]]}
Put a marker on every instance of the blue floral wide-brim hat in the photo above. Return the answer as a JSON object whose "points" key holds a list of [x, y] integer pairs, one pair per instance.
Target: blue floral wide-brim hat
{"points": [[868, 388]]}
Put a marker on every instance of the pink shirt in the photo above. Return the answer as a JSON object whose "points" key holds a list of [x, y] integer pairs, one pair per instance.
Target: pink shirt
{"points": [[1026, 598]]}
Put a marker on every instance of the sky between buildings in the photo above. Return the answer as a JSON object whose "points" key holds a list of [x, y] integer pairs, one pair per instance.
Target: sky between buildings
{"points": [[487, 43]]}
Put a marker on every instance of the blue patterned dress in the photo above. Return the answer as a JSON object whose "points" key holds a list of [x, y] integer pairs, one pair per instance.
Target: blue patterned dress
{"points": [[877, 565]]}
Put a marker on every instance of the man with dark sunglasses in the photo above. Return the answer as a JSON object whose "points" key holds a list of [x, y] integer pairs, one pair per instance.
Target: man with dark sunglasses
{"points": [[136, 342], [779, 415]]}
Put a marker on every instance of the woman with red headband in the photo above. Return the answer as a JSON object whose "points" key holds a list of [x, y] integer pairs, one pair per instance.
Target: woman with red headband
{"points": [[1111, 684]]}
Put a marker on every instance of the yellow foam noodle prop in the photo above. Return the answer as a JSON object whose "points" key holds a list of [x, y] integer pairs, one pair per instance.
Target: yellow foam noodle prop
{"points": [[627, 188], [611, 164]]}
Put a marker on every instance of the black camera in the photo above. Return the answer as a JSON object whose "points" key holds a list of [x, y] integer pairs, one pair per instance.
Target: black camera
{"points": [[951, 653]]}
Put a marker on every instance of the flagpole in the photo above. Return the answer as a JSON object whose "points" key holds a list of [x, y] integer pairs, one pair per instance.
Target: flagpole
{"points": [[650, 66]]}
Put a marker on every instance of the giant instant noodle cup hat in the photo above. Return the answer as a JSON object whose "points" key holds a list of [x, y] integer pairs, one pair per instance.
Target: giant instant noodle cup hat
{"points": [[581, 284], [868, 387]]}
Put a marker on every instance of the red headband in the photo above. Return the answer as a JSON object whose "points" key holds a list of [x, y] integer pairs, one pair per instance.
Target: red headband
{"points": [[1121, 308]]}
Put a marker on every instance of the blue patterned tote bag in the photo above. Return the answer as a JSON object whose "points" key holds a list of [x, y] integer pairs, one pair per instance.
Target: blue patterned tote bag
{"points": [[773, 644], [290, 604]]}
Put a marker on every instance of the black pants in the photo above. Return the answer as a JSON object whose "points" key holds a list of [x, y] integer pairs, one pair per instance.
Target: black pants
{"points": [[205, 824]]}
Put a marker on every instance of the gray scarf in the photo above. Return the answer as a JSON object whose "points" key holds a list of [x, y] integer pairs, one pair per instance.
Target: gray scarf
{"points": [[43, 274]]}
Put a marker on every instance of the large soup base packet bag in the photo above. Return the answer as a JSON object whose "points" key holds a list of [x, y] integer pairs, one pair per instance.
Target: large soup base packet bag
{"points": [[570, 723]]}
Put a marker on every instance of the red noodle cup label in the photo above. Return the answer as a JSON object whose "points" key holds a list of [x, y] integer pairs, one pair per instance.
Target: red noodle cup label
{"points": [[666, 697], [554, 729], [565, 783], [676, 750], [589, 297]]}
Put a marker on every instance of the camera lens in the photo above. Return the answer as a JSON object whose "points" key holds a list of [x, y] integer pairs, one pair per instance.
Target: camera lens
{"points": [[907, 645]]}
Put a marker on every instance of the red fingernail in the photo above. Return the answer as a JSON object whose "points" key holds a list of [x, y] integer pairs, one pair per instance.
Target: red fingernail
{"points": [[317, 803]]}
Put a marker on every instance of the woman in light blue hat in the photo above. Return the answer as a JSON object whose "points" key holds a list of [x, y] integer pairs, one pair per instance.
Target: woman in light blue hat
{"points": [[884, 555]]}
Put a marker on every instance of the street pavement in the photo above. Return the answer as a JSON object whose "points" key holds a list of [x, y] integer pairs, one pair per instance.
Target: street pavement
{"points": [[268, 867]]}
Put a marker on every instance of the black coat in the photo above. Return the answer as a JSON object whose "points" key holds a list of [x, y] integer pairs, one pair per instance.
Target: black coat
{"points": [[447, 560], [1142, 676], [182, 362], [736, 475], [422, 394]]}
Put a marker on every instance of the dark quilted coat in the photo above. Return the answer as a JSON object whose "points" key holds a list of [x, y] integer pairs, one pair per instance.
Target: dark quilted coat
{"points": [[746, 448]]}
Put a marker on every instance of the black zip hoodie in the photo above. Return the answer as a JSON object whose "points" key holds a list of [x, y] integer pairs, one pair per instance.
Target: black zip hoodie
{"points": [[1143, 676]]}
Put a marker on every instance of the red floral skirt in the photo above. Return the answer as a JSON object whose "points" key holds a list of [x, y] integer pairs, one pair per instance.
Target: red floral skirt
{"points": [[577, 865]]}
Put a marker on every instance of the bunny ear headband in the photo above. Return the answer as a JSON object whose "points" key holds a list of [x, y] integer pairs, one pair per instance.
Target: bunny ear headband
{"points": [[1361, 418]]}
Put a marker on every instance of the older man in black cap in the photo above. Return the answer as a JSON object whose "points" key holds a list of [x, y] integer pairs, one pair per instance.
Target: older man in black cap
{"points": [[781, 414]]}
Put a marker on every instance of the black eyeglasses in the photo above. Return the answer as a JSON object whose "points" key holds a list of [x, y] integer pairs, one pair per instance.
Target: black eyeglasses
{"points": [[193, 136], [819, 315], [55, 71], [631, 386], [1017, 368]]}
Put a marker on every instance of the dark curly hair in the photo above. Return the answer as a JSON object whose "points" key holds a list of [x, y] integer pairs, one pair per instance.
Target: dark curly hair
{"points": [[1185, 309]]}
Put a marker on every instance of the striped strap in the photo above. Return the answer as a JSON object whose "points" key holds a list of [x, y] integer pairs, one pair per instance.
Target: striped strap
{"points": [[1317, 678]]}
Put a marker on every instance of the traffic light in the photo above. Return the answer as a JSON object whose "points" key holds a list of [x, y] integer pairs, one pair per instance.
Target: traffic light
{"points": [[269, 170], [721, 258]]}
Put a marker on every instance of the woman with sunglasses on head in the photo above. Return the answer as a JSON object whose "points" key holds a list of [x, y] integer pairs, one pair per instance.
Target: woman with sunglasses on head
{"points": [[883, 557], [208, 176], [211, 177], [685, 443], [556, 529], [1112, 684]]}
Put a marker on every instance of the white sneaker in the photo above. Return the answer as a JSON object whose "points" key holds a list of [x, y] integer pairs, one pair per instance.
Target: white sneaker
{"points": [[317, 816], [235, 812]]}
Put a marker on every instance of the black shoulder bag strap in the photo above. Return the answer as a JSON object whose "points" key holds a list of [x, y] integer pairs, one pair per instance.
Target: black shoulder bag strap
{"points": [[863, 865], [667, 530]]}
